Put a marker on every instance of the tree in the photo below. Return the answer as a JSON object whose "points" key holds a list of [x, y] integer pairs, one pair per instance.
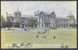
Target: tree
{"points": [[3, 24], [71, 17], [8, 24], [72, 20]]}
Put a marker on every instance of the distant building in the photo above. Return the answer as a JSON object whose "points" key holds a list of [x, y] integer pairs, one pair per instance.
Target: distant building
{"points": [[62, 22], [42, 20], [46, 20], [19, 20]]}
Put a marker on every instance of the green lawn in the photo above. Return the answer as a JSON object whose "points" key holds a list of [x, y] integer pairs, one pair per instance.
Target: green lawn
{"points": [[63, 36]]}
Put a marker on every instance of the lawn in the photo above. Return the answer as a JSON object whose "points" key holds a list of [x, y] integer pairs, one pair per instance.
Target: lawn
{"points": [[53, 37]]}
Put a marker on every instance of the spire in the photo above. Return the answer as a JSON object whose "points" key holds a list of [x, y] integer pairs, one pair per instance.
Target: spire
{"points": [[17, 13]]}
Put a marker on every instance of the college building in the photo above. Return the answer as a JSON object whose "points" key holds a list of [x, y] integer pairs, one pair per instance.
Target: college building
{"points": [[42, 20]]}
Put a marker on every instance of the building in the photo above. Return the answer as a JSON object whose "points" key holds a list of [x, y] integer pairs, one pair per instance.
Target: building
{"points": [[42, 20], [18, 20], [62, 22], [46, 20]]}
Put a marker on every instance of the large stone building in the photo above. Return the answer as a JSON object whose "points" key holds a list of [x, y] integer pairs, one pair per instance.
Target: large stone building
{"points": [[43, 20], [20, 20], [46, 20]]}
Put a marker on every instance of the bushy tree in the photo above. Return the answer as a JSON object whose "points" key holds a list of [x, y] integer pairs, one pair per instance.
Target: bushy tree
{"points": [[72, 20], [71, 17], [3, 22], [8, 24]]}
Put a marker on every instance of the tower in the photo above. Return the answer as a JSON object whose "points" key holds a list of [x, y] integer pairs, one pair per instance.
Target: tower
{"points": [[52, 19], [17, 15]]}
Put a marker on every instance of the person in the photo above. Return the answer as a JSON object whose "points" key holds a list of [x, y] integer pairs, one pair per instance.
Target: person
{"points": [[22, 44], [37, 36], [28, 44], [62, 45], [66, 46], [14, 45], [54, 37]]}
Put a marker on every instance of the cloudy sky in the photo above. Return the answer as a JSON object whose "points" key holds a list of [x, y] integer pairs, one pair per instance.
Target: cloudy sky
{"points": [[61, 8]]}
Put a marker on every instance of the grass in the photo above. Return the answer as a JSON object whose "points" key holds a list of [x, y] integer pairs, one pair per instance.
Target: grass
{"points": [[65, 37]]}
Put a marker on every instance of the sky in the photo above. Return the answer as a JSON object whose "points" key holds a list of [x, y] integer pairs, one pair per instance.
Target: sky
{"points": [[61, 8]]}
